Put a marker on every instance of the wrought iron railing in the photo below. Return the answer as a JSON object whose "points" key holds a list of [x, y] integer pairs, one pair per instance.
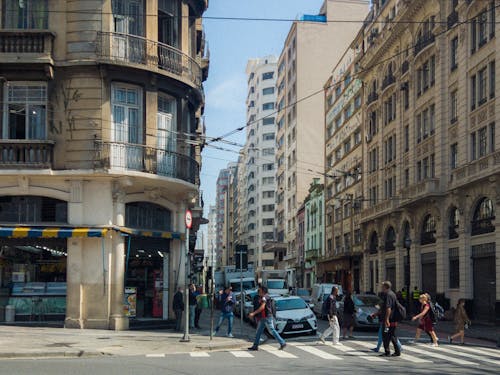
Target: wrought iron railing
{"points": [[16, 153], [373, 96], [482, 226], [423, 42], [387, 81]]}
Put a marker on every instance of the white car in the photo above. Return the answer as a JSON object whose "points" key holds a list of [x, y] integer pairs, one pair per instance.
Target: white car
{"points": [[294, 316]]}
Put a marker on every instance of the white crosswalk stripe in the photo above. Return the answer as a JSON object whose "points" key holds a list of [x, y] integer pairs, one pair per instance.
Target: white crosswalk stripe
{"points": [[406, 357], [483, 351], [199, 354], [435, 354], [317, 352], [278, 353], [241, 354], [348, 350], [462, 353]]}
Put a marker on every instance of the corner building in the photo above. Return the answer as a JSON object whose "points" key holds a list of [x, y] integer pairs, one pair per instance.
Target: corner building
{"points": [[431, 165], [98, 101]]}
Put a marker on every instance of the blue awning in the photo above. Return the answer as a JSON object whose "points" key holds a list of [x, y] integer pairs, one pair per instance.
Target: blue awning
{"points": [[149, 233], [51, 232]]}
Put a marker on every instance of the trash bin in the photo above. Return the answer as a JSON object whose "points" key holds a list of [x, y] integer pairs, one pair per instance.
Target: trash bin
{"points": [[10, 314], [204, 301]]}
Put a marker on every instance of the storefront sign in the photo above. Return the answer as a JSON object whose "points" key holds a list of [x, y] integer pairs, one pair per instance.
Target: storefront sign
{"points": [[130, 303]]}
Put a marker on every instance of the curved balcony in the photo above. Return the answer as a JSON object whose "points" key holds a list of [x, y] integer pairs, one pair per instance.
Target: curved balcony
{"points": [[118, 48], [423, 42], [372, 97], [388, 81], [25, 154], [133, 157]]}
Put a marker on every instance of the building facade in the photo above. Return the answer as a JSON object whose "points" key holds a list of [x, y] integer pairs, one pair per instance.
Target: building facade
{"points": [[221, 207], [304, 65], [96, 173], [341, 262], [257, 184], [314, 229], [431, 168]]}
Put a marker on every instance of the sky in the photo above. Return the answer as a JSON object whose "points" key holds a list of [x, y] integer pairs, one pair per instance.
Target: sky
{"points": [[231, 44]]}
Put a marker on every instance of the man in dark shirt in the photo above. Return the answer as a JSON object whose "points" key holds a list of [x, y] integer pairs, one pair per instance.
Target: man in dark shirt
{"points": [[387, 317], [178, 307]]}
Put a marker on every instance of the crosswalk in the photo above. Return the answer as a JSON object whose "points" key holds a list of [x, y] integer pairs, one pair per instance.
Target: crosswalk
{"points": [[360, 351]]}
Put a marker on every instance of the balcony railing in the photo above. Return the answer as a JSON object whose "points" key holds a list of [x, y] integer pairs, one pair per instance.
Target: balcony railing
{"points": [[312, 254], [23, 42], [405, 67], [132, 49], [482, 226], [420, 190], [387, 81], [423, 42], [477, 169], [18, 154], [427, 238], [141, 158], [373, 96]]}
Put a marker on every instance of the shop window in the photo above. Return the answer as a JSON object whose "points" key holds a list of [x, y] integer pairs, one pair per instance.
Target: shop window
{"points": [[484, 215], [428, 234], [32, 209], [145, 215]]}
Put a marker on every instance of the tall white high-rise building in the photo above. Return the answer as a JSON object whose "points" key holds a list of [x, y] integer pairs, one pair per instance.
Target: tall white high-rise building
{"points": [[257, 185]]}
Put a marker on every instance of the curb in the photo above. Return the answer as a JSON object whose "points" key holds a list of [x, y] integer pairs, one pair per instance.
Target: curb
{"points": [[65, 354], [214, 346]]}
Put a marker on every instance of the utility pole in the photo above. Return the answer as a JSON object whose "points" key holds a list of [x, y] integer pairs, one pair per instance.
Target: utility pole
{"points": [[189, 223]]}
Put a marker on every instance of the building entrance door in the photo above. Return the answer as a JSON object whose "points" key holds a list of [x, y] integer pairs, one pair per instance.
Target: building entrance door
{"points": [[484, 281], [429, 273]]}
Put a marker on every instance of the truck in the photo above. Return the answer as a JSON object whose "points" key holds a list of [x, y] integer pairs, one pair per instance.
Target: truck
{"points": [[229, 276], [275, 281]]}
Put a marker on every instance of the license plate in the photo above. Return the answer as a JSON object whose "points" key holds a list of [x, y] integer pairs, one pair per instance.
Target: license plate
{"points": [[297, 326]]}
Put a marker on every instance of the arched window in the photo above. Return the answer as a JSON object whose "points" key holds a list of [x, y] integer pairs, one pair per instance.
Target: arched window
{"points": [[453, 223], [484, 215], [428, 234], [373, 243], [390, 239], [145, 215]]}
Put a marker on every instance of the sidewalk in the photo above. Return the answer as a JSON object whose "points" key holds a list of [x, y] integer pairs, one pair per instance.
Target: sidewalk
{"points": [[476, 331], [30, 342]]}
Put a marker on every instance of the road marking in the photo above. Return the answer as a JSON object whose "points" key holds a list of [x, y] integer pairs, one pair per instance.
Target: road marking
{"points": [[348, 350], [199, 354], [160, 355], [241, 354], [406, 357], [468, 355], [315, 351], [276, 352], [480, 350], [432, 353]]}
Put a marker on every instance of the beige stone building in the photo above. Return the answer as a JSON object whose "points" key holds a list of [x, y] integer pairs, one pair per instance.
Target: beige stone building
{"points": [[99, 155], [431, 164], [305, 64]]}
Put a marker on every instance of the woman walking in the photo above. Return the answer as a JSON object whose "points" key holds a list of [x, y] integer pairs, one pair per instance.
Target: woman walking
{"points": [[425, 320], [348, 316], [461, 320]]}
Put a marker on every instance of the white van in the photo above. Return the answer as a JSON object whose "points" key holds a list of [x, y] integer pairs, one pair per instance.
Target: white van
{"points": [[320, 293]]}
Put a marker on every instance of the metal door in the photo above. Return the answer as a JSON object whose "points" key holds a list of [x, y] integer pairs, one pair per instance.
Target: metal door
{"points": [[484, 288]]}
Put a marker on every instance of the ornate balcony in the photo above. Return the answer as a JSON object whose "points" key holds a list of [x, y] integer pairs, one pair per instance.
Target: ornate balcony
{"points": [[373, 96], [378, 209], [133, 157], [26, 154], [387, 81], [26, 46], [134, 50], [476, 170], [423, 42], [423, 189]]}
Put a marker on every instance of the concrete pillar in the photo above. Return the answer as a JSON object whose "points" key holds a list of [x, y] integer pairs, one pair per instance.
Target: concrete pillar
{"points": [[441, 264], [118, 321], [74, 295], [400, 267]]}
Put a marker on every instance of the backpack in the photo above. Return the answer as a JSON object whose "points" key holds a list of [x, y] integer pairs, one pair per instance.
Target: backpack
{"points": [[432, 313], [399, 313], [270, 307]]}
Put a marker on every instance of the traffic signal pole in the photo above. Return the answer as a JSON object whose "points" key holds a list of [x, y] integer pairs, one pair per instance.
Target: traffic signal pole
{"points": [[188, 222]]}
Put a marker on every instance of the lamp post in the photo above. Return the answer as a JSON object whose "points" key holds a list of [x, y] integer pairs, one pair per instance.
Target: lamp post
{"points": [[407, 245]]}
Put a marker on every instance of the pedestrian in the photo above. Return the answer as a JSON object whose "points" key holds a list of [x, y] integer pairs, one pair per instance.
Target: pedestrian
{"points": [[381, 329], [387, 315], [425, 322], [415, 297], [461, 320], [348, 316], [266, 319], [192, 305], [226, 303], [333, 321], [178, 307], [404, 296], [199, 306]]}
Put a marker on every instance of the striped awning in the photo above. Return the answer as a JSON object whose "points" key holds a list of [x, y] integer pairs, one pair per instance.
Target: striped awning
{"points": [[148, 233], [51, 232]]}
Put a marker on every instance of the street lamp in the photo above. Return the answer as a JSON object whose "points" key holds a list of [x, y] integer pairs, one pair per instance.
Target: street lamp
{"points": [[407, 245]]}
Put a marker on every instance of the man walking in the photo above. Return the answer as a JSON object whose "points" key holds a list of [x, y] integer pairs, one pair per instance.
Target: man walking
{"points": [[266, 319], [334, 327], [178, 307], [389, 306], [226, 303], [199, 306], [192, 305]]}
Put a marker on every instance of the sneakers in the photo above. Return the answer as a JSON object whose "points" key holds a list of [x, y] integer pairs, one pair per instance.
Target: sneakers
{"points": [[395, 354], [434, 345], [282, 346], [322, 339], [376, 350], [230, 335], [411, 342], [253, 348]]}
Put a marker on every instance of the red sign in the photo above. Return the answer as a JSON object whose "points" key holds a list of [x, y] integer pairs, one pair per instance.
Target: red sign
{"points": [[188, 219]]}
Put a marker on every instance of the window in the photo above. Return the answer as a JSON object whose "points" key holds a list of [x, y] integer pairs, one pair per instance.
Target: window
{"points": [[454, 268], [492, 137], [406, 95], [347, 146], [148, 216], [482, 142], [473, 35], [390, 109], [268, 194], [267, 180], [428, 233], [454, 223], [268, 167], [492, 79], [473, 146], [268, 221], [373, 159], [492, 22], [454, 106], [454, 53], [357, 102], [268, 121], [32, 209], [407, 138], [338, 154], [338, 122], [481, 78], [373, 195], [25, 14], [267, 151], [482, 20], [268, 106], [454, 155], [473, 92], [483, 218], [407, 177], [357, 137], [390, 240], [268, 207], [267, 75], [267, 136], [268, 91], [389, 187], [419, 171], [25, 110]]}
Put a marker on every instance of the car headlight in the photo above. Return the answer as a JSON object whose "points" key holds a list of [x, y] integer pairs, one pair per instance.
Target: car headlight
{"points": [[310, 316]]}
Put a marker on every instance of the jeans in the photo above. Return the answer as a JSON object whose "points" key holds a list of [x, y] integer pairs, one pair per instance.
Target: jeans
{"points": [[192, 313], [230, 317], [269, 323], [333, 329], [389, 337], [197, 317], [379, 342], [178, 320]]}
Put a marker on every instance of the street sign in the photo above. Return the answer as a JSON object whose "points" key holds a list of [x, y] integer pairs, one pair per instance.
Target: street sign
{"points": [[189, 219], [241, 257]]}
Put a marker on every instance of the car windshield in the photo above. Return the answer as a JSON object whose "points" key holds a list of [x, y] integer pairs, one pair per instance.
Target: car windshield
{"points": [[246, 285], [276, 284], [325, 296], [290, 304], [366, 300], [303, 293]]}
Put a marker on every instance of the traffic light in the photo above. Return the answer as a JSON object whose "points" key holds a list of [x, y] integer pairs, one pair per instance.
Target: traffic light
{"points": [[192, 243]]}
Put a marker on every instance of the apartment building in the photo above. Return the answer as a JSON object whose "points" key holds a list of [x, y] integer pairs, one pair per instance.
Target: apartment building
{"points": [[431, 163], [221, 204], [97, 100], [312, 46], [257, 185], [314, 229], [341, 262]]}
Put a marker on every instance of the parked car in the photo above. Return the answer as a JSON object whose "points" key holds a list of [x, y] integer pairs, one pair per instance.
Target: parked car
{"points": [[248, 305], [365, 304], [320, 293], [294, 316], [305, 294]]}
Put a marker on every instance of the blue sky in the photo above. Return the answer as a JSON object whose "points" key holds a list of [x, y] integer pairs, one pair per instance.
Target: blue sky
{"points": [[231, 44]]}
